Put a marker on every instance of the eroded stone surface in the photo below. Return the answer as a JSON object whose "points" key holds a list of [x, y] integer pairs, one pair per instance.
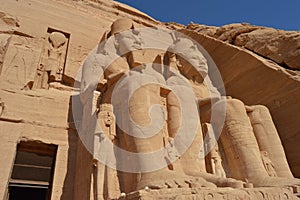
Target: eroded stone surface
{"points": [[220, 193], [277, 45], [45, 115], [244, 135]]}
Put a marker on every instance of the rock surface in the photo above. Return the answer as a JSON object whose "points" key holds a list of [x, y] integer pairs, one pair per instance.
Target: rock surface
{"points": [[283, 47], [8, 25], [258, 65], [224, 193]]}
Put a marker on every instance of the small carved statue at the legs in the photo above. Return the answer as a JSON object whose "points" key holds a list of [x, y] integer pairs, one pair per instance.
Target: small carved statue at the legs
{"points": [[269, 166], [107, 176], [212, 152]]}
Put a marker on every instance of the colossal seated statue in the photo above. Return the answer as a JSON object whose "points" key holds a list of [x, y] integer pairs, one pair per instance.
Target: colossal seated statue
{"points": [[246, 131], [160, 97]]}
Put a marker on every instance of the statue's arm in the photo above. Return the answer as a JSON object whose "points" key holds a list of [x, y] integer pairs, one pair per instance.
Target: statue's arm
{"points": [[91, 74]]}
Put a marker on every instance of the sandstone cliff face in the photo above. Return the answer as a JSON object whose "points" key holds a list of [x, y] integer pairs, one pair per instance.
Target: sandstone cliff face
{"points": [[283, 47], [254, 62]]}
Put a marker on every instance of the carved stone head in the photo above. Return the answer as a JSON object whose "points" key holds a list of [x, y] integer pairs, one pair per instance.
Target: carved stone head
{"points": [[57, 39], [121, 25], [189, 58]]}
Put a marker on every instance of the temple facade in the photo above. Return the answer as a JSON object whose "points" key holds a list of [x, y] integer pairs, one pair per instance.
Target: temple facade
{"points": [[60, 124]]}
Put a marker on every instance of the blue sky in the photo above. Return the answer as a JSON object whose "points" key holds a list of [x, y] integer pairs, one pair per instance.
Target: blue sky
{"points": [[280, 14]]}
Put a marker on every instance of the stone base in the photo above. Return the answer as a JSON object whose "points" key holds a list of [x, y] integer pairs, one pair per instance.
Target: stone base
{"points": [[219, 193]]}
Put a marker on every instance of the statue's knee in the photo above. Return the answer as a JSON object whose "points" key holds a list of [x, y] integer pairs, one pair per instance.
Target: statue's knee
{"points": [[230, 109], [234, 103], [229, 104], [260, 111]]}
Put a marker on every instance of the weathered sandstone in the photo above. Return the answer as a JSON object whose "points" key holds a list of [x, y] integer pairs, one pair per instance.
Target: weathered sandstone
{"points": [[44, 43]]}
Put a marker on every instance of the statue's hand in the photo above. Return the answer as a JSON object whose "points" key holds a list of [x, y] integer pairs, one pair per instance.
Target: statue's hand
{"points": [[249, 108], [208, 101]]}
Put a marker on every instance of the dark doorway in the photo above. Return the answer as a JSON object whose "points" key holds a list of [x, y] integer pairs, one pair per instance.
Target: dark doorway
{"points": [[21, 193], [32, 173]]}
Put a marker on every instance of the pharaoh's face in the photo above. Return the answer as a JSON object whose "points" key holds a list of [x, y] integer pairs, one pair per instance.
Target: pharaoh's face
{"points": [[127, 41], [190, 70], [57, 39], [195, 58], [108, 119], [190, 59]]}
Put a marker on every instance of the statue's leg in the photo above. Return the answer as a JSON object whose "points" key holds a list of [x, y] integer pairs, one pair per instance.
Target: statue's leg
{"points": [[191, 155], [191, 163], [112, 183], [268, 139], [198, 169], [165, 176], [139, 109], [98, 178], [239, 143], [242, 150]]}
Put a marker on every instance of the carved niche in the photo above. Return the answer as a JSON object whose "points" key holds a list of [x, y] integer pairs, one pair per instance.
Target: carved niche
{"points": [[20, 59], [52, 59]]}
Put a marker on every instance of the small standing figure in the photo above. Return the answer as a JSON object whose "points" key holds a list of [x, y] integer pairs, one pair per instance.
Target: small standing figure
{"points": [[107, 121], [54, 57], [269, 165], [216, 162], [106, 176], [214, 158], [52, 61]]}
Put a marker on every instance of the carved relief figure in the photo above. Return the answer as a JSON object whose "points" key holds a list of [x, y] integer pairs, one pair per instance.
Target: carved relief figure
{"points": [[3, 48], [107, 121], [269, 166], [17, 68], [217, 164], [52, 61], [212, 151], [106, 178]]}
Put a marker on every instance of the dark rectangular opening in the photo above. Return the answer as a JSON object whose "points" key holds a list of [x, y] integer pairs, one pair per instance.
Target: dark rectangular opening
{"points": [[33, 170], [18, 192]]}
